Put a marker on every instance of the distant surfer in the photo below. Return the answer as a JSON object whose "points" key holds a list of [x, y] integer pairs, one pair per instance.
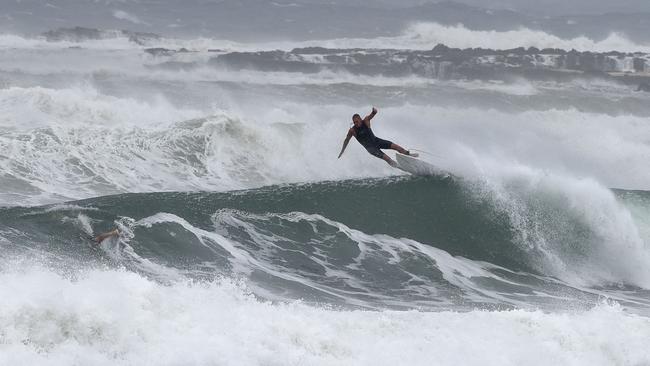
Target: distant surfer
{"points": [[101, 237], [363, 133]]}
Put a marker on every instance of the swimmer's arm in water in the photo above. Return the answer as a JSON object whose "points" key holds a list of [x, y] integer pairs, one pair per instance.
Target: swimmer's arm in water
{"points": [[370, 116], [101, 237], [345, 143]]}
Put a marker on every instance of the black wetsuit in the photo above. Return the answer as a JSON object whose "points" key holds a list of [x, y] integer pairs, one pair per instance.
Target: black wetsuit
{"points": [[372, 143]]}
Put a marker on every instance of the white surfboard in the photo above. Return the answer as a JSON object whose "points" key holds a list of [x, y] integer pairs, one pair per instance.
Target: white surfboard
{"points": [[418, 167]]}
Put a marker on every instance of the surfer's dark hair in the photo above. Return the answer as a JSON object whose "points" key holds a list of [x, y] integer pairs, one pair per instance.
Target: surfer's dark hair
{"points": [[356, 115]]}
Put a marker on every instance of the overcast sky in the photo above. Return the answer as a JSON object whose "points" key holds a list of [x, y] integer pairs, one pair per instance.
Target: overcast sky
{"points": [[536, 7], [321, 19], [562, 7]]}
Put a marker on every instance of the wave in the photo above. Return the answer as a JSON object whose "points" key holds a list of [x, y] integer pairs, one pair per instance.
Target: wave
{"points": [[418, 36], [63, 144], [294, 237], [75, 144], [102, 66], [427, 35], [15, 41], [112, 317]]}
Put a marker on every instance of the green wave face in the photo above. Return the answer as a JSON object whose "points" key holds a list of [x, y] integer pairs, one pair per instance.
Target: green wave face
{"points": [[403, 242]]}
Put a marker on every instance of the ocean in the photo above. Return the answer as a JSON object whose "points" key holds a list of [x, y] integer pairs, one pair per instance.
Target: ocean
{"points": [[243, 240]]}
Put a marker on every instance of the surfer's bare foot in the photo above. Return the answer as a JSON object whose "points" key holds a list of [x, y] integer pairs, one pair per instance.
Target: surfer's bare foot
{"points": [[101, 237], [403, 151]]}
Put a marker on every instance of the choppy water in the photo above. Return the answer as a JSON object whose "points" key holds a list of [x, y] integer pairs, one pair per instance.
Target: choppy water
{"points": [[243, 240]]}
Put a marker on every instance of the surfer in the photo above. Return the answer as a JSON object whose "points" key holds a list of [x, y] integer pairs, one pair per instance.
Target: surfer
{"points": [[363, 133], [101, 237]]}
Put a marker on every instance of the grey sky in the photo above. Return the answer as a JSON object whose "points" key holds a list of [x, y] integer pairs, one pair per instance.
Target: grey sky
{"points": [[535, 7], [566, 7], [320, 19]]}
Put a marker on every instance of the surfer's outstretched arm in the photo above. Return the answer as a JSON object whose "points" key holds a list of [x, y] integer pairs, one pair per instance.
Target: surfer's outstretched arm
{"points": [[370, 116], [345, 143]]}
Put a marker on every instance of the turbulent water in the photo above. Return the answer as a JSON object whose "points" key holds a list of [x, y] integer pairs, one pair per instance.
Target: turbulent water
{"points": [[244, 240]]}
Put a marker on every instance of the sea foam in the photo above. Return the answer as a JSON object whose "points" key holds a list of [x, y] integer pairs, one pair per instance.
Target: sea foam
{"points": [[112, 317]]}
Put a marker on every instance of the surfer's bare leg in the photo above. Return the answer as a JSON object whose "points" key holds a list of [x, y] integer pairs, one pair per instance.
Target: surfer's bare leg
{"points": [[390, 161], [401, 150], [101, 237]]}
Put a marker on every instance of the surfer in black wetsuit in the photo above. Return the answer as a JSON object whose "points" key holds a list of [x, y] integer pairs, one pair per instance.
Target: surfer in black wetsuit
{"points": [[363, 133]]}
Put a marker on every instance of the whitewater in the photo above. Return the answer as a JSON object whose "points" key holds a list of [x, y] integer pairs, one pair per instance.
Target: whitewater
{"points": [[245, 241]]}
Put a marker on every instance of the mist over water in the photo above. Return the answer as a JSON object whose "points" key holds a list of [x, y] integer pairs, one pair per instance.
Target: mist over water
{"points": [[243, 239]]}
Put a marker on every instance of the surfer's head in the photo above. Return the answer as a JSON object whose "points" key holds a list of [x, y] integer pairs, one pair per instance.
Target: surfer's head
{"points": [[356, 119]]}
